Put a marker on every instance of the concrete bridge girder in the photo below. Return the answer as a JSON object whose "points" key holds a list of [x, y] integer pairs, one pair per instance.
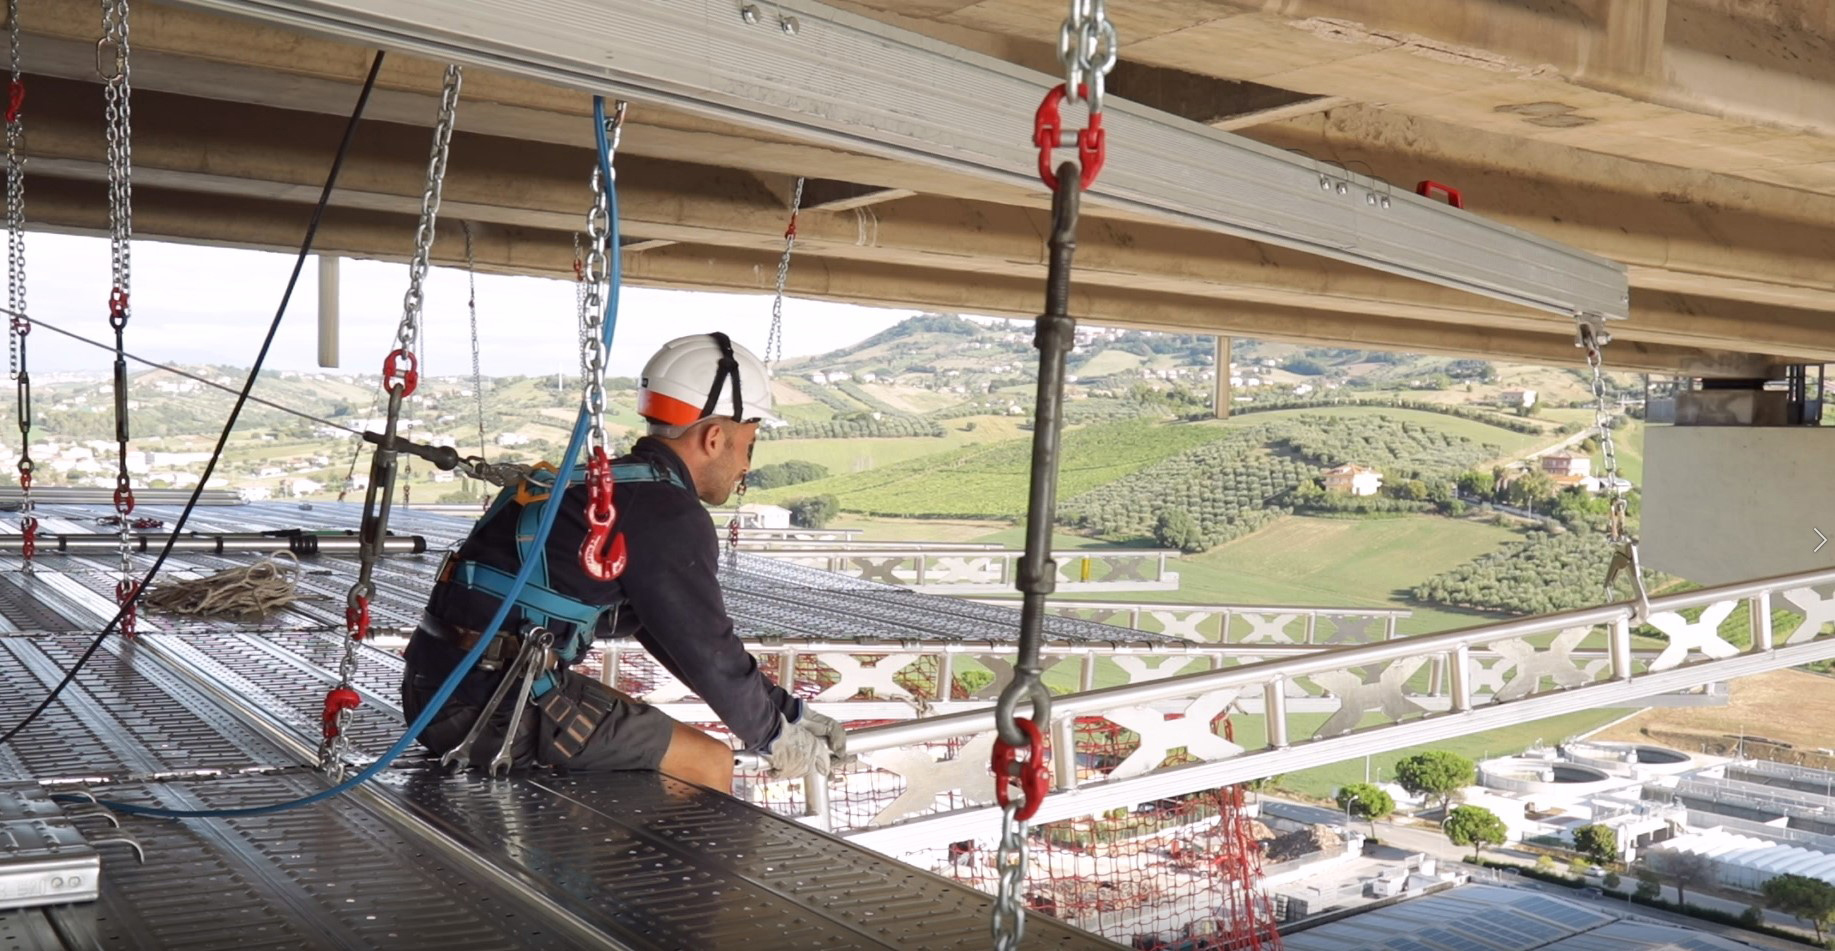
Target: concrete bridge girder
{"points": [[1730, 279]]}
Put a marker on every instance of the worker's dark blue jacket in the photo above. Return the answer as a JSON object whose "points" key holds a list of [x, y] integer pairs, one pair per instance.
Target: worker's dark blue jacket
{"points": [[668, 597]]}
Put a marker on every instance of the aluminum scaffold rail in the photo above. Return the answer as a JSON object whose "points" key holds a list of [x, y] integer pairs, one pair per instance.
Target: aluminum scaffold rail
{"points": [[820, 74]]}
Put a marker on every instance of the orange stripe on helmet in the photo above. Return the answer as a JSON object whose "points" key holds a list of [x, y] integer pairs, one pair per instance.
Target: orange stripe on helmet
{"points": [[667, 410]]}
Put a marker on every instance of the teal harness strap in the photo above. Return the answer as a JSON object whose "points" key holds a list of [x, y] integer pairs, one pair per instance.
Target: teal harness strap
{"points": [[539, 603]]}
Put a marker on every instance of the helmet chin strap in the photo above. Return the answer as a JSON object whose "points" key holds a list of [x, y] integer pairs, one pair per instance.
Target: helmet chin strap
{"points": [[729, 367]]}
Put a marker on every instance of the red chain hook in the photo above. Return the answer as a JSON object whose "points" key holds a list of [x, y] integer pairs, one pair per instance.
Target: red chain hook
{"points": [[28, 545], [15, 100], [124, 499], [602, 554], [1048, 134], [357, 619], [337, 701], [1033, 778], [392, 368]]}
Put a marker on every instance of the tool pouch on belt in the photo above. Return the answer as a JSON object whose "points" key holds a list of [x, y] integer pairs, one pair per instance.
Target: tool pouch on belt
{"points": [[574, 722]]}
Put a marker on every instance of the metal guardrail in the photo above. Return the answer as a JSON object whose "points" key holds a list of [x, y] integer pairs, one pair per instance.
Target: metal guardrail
{"points": [[1495, 675], [990, 572]]}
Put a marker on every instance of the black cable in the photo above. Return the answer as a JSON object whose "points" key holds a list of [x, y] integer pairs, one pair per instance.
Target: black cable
{"points": [[305, 250], [38, 322]]}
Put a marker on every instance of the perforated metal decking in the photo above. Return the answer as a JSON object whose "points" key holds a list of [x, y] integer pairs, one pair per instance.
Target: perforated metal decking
{"points": [[214, 717]]}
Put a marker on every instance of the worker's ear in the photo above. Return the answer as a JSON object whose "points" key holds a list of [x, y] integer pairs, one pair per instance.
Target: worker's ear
{"points": [[713, 438]]}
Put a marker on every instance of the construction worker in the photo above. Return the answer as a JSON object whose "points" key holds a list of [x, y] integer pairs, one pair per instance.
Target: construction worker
{"points": [[704, 398]]}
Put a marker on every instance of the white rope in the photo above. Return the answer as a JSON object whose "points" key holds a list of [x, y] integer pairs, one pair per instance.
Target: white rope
{"points": [[252, 592]]}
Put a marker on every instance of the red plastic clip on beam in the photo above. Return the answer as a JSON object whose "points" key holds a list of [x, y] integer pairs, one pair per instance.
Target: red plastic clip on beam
{"points": [[1427, 187]]}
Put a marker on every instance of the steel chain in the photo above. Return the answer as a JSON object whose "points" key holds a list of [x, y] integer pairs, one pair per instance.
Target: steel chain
{"points": [[398, 381], [1591, 335], [1088, 47], [597, 276], [579, 298], [19, 325], [774, 343], [471, 307], [602, 551], [407, 332], [1010, 865], [112, 61]]}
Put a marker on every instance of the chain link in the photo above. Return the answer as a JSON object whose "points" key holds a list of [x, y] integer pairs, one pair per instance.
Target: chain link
{"points": [[471, 306], [1010, 865], [408, 331], [774, 343], [399, 379], [1088, 47], [597, 276], [579, 300], [19, 324], [1591, 335], [117, 94]]}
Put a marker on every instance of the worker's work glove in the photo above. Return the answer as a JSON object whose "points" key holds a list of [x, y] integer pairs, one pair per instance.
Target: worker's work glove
{"points": [[828, 730], [795, 752]]}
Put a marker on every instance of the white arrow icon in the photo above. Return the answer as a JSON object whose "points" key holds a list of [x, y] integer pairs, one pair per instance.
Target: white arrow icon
{"points": [[1825, 540]]}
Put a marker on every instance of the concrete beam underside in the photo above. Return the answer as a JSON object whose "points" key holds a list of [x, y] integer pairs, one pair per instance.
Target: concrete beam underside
{"points": [[526, 181]]}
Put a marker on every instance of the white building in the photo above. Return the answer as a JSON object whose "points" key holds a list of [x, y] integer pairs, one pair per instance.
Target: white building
{"points": [[1353, 479]]}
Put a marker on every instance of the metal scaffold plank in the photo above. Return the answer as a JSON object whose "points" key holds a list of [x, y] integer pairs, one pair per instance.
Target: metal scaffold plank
{"points": [[844, 80]]}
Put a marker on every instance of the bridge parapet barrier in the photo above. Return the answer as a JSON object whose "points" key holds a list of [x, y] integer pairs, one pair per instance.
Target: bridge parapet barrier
{"points": [[1164, 733]]}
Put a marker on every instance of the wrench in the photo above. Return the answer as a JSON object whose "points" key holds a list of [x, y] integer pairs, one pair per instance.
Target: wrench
{"points": [[459, 757], [535, 644]]}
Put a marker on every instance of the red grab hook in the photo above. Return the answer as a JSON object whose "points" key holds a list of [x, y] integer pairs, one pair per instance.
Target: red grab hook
{"points": [[1048, 134], [602, 554], [1033, 778], [337, 701]]}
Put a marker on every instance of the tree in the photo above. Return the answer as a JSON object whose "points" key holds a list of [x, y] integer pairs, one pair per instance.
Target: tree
{"points": [[1578, 867], [1475, 826], [814, 511], [1807, 899], [1685, 869], [1436, 773], [1611, 880], [1649, 886], [1176, 529], [1366, 801], [792, 472], [1597, 842]]}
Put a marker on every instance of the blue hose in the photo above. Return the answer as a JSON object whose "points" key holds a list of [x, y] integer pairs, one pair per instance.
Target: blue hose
{"points": [[549, 511]]}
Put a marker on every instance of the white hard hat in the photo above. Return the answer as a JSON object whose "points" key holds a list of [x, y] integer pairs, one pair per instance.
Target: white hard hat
{"points": [[693, 378]]}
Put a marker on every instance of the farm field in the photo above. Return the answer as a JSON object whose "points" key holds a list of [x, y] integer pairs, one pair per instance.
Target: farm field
{"points": [[1784, 706], [978, 480], [1512, 443]]}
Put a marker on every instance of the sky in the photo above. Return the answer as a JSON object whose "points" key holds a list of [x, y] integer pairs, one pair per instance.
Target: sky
{"points": [[193, 305]]}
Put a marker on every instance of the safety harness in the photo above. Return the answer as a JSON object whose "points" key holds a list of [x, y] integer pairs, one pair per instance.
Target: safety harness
{"points": [[572, 620]]}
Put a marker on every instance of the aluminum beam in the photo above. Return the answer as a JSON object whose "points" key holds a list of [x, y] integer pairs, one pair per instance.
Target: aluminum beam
{"points": [[913, 98]]}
